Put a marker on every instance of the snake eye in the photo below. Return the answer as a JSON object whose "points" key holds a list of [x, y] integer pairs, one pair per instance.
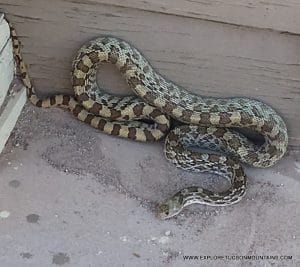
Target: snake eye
{"points": [[163, 209]]}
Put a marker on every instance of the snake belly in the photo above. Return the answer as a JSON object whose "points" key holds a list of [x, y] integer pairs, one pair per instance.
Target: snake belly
{"points": [[209, 122]]}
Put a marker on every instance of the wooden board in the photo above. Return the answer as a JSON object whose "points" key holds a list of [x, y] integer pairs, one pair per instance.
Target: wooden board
{"points": [[279, 15], [6, 70], [4, 29], [10, 114], [6, 60], [11, 103], [207, 58]]}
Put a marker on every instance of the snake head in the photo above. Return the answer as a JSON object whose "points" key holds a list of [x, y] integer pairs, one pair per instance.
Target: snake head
{"points": [[170, 207]]}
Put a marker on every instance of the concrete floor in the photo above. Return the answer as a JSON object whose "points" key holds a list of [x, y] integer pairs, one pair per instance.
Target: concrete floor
{"points": [[71, 196]]}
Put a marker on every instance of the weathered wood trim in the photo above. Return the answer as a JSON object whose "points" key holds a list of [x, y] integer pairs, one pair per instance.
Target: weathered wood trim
{"points": [[11, 103], [276, 15], [10, 114], [6, 70], [4, 30], [6, 59]]}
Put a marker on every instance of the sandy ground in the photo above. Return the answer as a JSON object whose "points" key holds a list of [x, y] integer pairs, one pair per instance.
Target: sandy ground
{"points": [[71, 196]]}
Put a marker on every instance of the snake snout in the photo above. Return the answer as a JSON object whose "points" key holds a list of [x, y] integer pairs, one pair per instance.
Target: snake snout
{"points": [[169, 208]]}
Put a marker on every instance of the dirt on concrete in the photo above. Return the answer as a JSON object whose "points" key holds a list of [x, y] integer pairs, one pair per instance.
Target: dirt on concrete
{"points": [[72, 196]]}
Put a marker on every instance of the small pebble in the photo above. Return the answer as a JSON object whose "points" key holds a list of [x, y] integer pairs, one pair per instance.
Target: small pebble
{"points": [[165, 253], [123, 238], [164, 240], [167, 233], [4, 214]]}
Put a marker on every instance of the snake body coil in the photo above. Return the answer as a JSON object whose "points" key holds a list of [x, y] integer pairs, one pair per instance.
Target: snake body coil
{"points": [[210, 122]]}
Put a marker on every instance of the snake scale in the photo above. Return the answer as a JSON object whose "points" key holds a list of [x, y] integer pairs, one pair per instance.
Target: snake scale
{"points": [[209, 124]]}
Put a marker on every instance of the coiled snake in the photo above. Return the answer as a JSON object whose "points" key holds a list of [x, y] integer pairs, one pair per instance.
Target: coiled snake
{"points": [[209, 123]]}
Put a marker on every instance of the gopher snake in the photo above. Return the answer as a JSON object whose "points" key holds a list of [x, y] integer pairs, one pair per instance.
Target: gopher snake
{"points": [[210, 121]]}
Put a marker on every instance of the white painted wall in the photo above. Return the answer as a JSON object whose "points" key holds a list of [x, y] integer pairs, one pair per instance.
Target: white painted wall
{"points": [[11, 101]]}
